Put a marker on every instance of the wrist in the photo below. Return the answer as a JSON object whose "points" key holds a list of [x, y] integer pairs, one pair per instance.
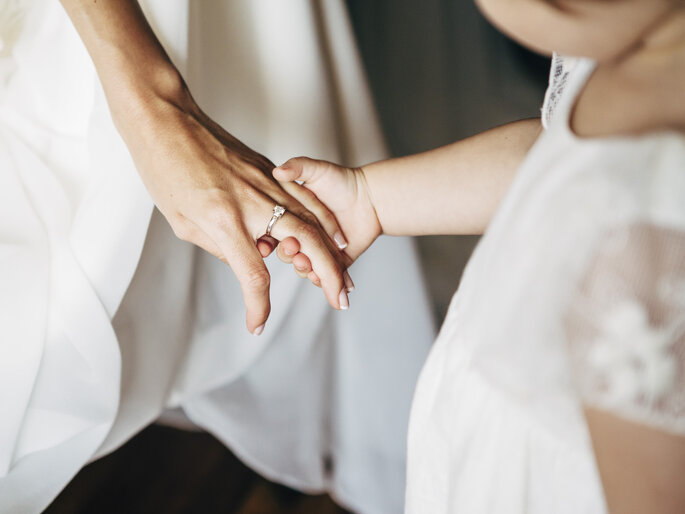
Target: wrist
{"points": [[366, 196], [147, 107], [140, 94]]}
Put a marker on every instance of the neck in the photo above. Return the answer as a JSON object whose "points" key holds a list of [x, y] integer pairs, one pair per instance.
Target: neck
{"points": [[656, 67], [667, 36]]}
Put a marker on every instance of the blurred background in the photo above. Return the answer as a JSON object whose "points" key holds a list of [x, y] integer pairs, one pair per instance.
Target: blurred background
{"points": [[439, 72]]}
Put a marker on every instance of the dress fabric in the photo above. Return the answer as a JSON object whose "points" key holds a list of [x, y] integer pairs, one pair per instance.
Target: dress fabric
{"points": [[107, 319], [575, 295]]}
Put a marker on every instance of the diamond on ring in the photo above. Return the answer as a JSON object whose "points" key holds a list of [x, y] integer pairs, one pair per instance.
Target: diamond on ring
{"points": [[278, 212]]}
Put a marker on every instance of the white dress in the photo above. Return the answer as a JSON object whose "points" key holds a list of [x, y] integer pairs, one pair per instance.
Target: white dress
{"points": [[576, 294], [106, 319]]}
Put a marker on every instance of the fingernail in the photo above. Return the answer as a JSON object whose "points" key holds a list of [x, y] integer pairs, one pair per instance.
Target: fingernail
{"points": [[284, 166], [344, 301], [258, 331], [348, 282], [340, 240]]}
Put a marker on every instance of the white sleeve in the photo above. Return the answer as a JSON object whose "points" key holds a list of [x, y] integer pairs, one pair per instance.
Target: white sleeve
{"points": [[626, 327]]}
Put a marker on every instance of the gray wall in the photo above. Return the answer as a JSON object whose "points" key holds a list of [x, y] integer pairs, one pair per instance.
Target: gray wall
{"points": [[439, 72]]}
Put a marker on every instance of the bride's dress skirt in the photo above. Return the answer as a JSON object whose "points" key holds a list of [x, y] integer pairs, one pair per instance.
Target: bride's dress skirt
{"points": [[107, 319]]}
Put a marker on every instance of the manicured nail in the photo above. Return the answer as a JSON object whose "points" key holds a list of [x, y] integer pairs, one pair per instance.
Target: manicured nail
{"points": [[258, 331], [344, 301], [348, 282], [340, 240]]}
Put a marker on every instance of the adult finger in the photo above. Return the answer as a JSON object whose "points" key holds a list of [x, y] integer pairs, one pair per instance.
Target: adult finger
{"points": [[316, 207], [326, 261], [242, 256], [303, 268], [302, 264]]}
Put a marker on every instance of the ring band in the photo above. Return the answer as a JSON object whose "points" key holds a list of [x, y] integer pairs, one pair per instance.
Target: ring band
{"points": [[278, 212]]}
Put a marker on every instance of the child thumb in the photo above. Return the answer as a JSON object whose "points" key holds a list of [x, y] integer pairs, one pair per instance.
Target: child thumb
{"points": [[301, 169]]}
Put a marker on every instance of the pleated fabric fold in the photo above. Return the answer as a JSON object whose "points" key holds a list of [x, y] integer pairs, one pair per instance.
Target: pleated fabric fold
{"points": [[108, 319]]}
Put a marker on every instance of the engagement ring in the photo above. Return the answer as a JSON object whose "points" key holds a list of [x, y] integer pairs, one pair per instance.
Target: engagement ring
{"points": [[278, 212]]}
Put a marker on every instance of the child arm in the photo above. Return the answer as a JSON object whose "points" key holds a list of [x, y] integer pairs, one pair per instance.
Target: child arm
{"points": [[454, 189]]}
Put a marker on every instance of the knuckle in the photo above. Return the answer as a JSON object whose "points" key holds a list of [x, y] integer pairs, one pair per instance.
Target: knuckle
{"points": [[248, 193], [223, 215], [182, 231], [216, 197], [258, 279], [307, 232]]}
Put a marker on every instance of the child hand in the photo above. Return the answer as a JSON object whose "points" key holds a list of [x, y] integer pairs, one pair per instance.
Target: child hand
{"points": [[345, 193]]}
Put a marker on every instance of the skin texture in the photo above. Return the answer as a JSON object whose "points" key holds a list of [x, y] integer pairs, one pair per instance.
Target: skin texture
{"points": [[639, 46], [599, 29], [214, 191], [642, 468]]}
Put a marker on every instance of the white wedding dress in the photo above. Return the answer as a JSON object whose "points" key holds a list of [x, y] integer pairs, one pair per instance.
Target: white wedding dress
{"points": [[575, 295], [107, 319]]}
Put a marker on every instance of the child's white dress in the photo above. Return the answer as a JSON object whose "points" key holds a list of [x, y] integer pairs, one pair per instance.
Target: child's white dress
{"points": [[576, 294]]}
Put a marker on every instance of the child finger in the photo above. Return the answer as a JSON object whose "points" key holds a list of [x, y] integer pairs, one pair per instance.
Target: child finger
{"points": [[266, 245], [303, 264], [323, 215], [302, 274], [326, 261], [302, 169], [287, 248]]}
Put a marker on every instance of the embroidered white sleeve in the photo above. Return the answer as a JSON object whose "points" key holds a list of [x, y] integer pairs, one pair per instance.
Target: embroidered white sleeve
{"points": [[626, 327]]}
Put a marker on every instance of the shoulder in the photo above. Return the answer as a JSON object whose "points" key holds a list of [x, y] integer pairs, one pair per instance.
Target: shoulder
{"points": [[632, 180]]}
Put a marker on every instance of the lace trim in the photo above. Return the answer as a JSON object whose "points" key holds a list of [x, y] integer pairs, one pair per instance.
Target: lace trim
{"points": [[559, 74]]}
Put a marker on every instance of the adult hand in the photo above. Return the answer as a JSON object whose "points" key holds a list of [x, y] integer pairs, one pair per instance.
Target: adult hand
{"points": [[217, 193], [214, 191], [345, 193]]}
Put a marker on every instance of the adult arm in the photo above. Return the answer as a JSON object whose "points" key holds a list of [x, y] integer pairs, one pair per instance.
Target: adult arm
{"points": [[214, 191]]}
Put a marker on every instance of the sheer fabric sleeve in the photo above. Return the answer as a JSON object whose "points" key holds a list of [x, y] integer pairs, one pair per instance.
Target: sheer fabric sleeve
{"points": [[626, 327]]}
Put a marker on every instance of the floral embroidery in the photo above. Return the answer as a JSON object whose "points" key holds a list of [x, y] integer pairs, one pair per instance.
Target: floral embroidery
{"points": [[633, 356]]}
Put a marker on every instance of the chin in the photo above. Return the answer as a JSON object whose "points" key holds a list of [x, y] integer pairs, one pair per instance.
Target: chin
{"points": [[602, 31]]}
